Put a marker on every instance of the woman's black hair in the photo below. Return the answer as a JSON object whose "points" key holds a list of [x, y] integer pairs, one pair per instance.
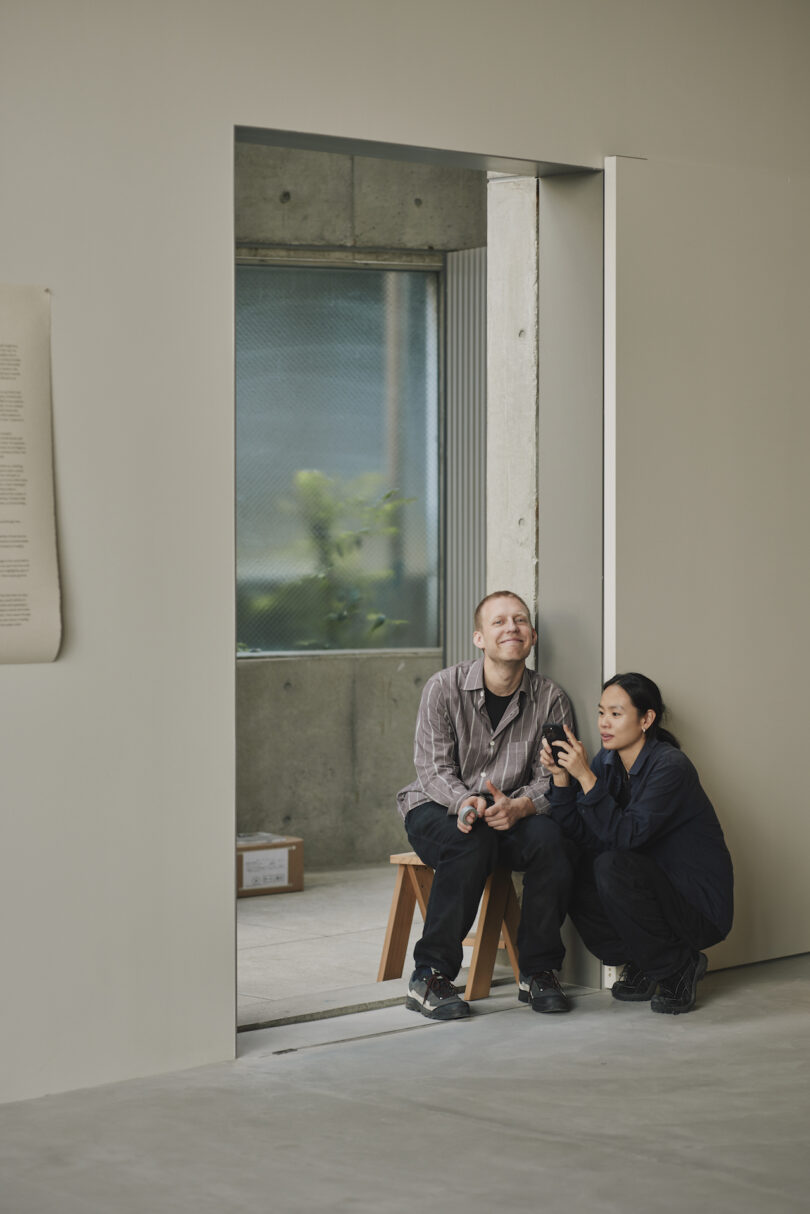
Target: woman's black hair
{"points": [[644, 695]]}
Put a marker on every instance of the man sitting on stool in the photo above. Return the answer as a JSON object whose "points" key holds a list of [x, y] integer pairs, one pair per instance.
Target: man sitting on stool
{"points": [[479, 800]]}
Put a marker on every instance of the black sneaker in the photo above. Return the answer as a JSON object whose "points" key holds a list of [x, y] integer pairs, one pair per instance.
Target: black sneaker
{"points": [[544, 992], [677, 992], [434, 995], [633, 985]]}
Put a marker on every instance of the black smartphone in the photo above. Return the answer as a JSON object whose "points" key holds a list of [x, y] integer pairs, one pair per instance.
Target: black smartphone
{"points": [[554, 732]]}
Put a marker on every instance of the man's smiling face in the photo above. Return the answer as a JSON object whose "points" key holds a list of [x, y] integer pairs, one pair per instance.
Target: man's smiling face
{"points": [[505, 633]]}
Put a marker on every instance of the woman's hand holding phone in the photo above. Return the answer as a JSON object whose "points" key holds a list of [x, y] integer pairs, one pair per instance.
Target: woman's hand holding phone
{"points": [[558, 774], [569, 760], [573, 756], [550, 754]]}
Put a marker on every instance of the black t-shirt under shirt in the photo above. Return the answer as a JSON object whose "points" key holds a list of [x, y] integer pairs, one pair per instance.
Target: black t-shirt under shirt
{"points": [[496, 706]]}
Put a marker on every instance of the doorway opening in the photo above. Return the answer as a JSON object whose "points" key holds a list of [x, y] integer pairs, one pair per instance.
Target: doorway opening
{"points": [[361, 456]]}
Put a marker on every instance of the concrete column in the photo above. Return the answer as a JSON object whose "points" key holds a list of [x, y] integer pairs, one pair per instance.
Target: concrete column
{"points": [[544, 431], [512, 361]]}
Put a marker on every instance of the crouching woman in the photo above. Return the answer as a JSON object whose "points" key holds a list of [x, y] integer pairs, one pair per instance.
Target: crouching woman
{"points": [[655, 883]]}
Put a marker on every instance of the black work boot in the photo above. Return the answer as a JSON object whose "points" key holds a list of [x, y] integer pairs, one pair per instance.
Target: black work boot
{"points": [[544, 992], [633, 986], [678, 991]]}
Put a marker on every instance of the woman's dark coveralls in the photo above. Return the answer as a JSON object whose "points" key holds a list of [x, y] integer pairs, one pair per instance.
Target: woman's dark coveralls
{"points": [[655, 882]]}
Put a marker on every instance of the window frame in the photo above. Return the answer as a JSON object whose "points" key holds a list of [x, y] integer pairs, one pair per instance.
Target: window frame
{"points": [[426, 260]]}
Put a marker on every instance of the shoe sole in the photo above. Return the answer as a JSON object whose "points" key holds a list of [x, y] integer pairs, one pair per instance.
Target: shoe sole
{"points": [[456, 1012], [700, 970]]}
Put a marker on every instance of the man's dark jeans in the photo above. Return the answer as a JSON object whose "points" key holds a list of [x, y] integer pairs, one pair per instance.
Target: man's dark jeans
{"points": [[625, 908], [462, 862]]}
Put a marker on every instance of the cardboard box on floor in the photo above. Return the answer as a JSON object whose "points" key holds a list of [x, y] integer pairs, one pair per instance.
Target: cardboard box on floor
{"points": [[268, 864]]}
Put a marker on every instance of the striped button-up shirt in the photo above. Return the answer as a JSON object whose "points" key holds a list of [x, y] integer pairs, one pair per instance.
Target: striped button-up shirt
{"points": [[456, 750]]}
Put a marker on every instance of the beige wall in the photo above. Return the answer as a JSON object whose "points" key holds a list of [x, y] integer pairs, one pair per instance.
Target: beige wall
{"points": [[711, 571], [117, 151]]}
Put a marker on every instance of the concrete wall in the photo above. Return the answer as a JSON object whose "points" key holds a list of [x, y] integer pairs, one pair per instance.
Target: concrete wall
{"points": [[117, 151], [512, 337], [293, 197], [347, 721], [569, 492], [323, 745]]}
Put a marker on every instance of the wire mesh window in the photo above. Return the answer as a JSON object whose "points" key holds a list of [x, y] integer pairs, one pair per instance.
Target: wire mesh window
{"points": [[337, 458]]}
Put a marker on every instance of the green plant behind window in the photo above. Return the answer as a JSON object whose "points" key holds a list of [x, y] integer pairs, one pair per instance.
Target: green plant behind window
{"points": [[351, 532]]}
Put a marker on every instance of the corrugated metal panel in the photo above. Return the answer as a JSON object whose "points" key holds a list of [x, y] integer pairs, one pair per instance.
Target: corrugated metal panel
{"points": [[465, 448]]}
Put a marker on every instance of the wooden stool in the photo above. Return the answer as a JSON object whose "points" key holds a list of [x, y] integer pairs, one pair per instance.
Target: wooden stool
{"points": [[498, 919]]}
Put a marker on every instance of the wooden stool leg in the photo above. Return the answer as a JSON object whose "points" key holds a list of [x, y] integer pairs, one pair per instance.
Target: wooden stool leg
{"points": [[422, 882], [490, 918], [511, 919], [398, 931]]}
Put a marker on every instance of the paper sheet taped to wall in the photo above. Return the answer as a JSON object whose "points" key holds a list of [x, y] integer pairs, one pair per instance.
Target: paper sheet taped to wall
{"points": [[30, 610]]}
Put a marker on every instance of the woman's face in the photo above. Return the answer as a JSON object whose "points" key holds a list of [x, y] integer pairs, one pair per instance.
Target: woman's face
{"points": [[620, 722]]}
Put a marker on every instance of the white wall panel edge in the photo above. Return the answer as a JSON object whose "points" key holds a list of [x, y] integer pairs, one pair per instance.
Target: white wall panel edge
{"points": [[609, 440]]}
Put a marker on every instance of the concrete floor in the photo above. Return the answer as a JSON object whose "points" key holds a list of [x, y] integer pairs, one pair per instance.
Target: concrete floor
{"points": [[316, 952], [608, 1109]]}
